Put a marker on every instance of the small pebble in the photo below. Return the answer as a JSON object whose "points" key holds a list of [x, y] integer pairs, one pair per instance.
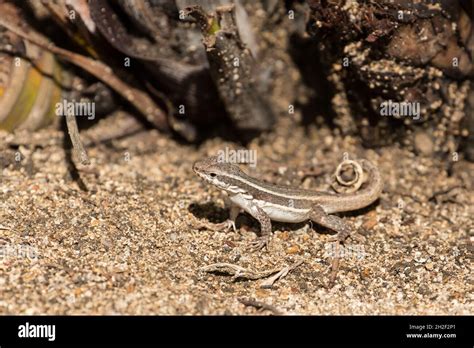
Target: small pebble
{"points": [[294, 249], [423, 144]]}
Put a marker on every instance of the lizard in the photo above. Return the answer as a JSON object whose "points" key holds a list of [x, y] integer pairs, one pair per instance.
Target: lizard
{"points": [[266, 201]]}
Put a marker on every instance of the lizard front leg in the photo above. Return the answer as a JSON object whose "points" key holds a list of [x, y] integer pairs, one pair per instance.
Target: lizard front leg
{"points": [[234, 211], [265, 227]]}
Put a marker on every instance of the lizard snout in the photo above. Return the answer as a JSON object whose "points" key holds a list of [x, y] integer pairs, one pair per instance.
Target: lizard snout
{"points": [[197, 167]]}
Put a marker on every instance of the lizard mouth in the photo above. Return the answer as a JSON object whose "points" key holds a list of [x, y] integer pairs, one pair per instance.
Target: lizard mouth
{"points": [[202, 175]]}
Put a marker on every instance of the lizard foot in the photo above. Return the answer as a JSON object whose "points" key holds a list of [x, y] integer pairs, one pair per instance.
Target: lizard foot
{"points": [[221, 226], [260, 243], [340, 237]]}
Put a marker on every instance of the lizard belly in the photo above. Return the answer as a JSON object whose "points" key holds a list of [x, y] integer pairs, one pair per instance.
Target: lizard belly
{"points": [[284, 213], [274, 211], [243, 201]]}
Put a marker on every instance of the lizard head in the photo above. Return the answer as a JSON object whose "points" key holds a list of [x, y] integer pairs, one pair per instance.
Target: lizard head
{"points": [[216, 172]]}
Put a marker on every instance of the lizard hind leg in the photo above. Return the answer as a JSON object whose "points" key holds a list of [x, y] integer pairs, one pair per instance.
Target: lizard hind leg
{"points": [[332, 222], [338, 225]]}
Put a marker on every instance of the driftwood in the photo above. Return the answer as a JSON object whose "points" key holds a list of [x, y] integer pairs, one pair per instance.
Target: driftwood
{"points": [[221, 67], [233, 68], [375, 51]]}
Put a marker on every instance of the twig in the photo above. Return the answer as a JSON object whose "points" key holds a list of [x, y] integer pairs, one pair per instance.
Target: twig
{"points": [[260, 305], [79, 149], [447, 218], [239, 272], [312, 173], [270, 281], [446, 192], [334, 266], [139, 99], [236, 271], [117, 125]]}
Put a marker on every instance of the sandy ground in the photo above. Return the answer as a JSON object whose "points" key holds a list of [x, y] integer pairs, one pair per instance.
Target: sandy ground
{"points": [[134, 242]]}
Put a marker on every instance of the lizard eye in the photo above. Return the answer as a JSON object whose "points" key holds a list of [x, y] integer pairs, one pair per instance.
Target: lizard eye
{"points": [[213, 175]]}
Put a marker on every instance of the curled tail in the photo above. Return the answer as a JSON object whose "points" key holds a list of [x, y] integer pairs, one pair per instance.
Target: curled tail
{"points": [[369, 193]]}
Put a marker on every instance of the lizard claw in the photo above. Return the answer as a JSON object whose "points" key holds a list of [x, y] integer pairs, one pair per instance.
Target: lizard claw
{"points": [[335, 239], [340, 237], [232, 225], [260, 243], [221, 226]]}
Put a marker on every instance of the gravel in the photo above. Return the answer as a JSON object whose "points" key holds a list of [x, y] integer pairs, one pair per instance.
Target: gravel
{"points": [[134, 242]]}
